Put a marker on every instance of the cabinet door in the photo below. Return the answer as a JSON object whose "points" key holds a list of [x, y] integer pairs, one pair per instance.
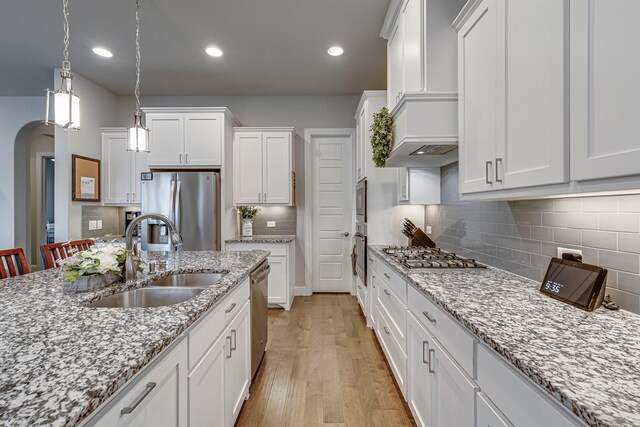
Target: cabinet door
{"points": [[207, 386], [140, 164], [247, 168], [454, 392], [203, 139], [166, 139], [276, 183], [535, 148], [117, 164], [403, 185], [361, 146], [278, 280], [477, 80], [604, 88], [412, 25], [237, 365], [394, 65], [488, 415], [420, 379]]}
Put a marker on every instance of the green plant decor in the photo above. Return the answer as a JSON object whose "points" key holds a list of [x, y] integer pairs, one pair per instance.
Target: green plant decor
{"points": [[382, 137], [248, 212]]}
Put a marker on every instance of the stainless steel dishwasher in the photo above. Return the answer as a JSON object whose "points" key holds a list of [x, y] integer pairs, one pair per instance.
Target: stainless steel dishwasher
{"points": [[259, 320]]}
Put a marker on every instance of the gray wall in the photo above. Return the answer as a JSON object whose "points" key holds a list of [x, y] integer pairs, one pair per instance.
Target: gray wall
{"points": [[522, 236], [285, 218]]}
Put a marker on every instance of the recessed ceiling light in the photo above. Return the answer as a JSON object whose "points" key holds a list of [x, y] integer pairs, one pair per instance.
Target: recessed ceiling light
{"points": [[213, 51], [101, 51], [419, 152], [335, 51]]}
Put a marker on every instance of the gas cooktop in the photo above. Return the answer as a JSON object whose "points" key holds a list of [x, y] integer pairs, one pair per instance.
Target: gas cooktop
{"points": [[419, 257]]}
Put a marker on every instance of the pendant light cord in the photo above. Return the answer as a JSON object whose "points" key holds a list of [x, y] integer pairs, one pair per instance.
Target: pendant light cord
{"points": [[65, 11], [137, 90]]}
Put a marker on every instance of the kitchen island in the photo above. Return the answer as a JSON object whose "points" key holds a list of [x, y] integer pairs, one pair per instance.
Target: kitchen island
{"points": [[584, 362], [61, 360]]}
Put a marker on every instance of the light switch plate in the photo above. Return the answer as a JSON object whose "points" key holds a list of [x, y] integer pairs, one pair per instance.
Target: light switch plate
{"points": [[99, 224], [568, 251], [271, 224], [92, 225], [428, 229]]}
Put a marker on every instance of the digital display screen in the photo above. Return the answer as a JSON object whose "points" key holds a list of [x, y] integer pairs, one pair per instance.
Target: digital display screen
{"points": [[573, 282]]}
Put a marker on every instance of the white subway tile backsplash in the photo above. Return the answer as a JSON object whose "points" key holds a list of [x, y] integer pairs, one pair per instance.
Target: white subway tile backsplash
{"points": [[629, 242], [628, 282], [567, 205], [587, 221], [629, 203], [599, 239], [567, 236], [542, 233], [619, 261], [600, 204], [554, 219], [625, 222]]}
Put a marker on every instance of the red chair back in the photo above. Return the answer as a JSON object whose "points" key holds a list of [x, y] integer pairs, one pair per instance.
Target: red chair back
{"points": [[12, 263], [52, 252]]}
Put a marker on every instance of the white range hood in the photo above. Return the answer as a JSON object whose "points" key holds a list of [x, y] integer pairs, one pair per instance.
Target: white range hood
{"points": [[422, 81]]}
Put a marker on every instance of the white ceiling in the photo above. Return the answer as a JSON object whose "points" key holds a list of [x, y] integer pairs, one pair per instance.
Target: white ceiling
{"points": [[271, 47]]}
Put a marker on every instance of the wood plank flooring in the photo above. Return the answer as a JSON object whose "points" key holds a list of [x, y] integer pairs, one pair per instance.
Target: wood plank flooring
{"points": [[323, 367]]}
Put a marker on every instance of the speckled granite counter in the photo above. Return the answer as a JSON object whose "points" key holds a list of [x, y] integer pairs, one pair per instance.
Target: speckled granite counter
{"points": [[589, 362], [263, 238], [109, 240], [59, 360]]}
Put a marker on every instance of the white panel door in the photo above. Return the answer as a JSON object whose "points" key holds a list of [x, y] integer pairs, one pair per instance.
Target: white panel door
{"points": [[420, 379], [203, 139], [477, 77], [237, 365], [206, 387], [276, 170], [140, 165], [247, 168], [535, 151], [394, 66], [117, 167], [332, 213], [605, 89], [166, 139], [278, 280]]}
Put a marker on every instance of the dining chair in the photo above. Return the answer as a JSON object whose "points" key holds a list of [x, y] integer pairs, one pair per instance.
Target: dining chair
{"points": [[52, 252], [12, 263]]}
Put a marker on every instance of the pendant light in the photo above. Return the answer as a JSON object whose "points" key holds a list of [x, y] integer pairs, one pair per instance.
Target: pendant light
{"points": [[138, 134], [66, 102]]}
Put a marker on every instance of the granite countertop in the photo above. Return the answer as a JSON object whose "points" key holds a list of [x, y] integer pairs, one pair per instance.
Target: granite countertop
{"points": [[109, 239], [587, 361], [60, 360], [264, 238]]}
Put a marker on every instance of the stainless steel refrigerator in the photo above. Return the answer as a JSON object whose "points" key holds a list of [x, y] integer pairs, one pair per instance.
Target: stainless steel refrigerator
{"points": [[191, 200]]}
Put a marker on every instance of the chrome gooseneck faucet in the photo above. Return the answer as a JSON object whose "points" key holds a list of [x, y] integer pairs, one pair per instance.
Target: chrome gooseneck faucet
{"points": [[131, 260]]}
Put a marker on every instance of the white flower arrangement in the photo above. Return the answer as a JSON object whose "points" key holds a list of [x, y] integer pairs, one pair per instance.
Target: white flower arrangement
{"points": [[93, 261]]}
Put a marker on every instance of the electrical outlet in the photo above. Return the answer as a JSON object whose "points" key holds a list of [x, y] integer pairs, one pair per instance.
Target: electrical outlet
{"points": [[428, 229], [92, 225], [271, 224], [568, 251], [99, 224]]}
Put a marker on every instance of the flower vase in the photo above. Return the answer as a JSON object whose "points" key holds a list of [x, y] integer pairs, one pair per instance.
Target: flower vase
{"points": [[91, 282], [247, 227]]}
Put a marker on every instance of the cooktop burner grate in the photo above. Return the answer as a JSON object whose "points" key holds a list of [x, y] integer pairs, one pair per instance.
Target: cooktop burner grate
{"points": [[417, 257]]}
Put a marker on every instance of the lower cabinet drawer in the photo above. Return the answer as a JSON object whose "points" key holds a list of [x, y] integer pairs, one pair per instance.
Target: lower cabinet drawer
{"points": [[488, 415], [395, 312], [458, 342], [396, 357], [518, 398], [361, 295], [393, 280]]}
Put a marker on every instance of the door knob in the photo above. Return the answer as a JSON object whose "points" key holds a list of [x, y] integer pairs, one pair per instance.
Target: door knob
{"points": [[345, 234]]}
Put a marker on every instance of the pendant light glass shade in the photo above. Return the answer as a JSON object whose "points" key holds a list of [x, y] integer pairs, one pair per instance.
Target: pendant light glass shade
{"points": [[138, 135]]}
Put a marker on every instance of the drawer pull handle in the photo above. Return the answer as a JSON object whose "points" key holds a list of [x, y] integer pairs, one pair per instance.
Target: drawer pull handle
{"points": [[129, 409], [387, 292], [387, 276], [229, 347], [431, 369], [386, 330], [424, 353], [233, 340], [230, 309], [431, 319]]}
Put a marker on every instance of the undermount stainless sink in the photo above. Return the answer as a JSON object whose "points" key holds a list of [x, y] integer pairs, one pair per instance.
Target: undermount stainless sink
{"points": [[147, 297], [167, 290]]}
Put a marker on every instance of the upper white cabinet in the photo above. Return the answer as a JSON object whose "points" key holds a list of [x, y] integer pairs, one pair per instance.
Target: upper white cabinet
{"points": [[513, 133], [418, 186], [370, 103], [190, 137], [604, 89], [121, 169], [263, 166]]}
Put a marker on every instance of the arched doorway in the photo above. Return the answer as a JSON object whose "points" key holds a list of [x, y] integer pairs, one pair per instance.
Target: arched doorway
{"points": [[33, 187]]}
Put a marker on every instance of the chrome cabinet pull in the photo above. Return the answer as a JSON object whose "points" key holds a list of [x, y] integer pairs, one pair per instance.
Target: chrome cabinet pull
{"points": [[424, 353], [431, 369], [386, 291], [186, 158], [387, 276], [259, 197], [486, 171], [233, 340], [230, 309], [180, 158], [129, 409], [265, 197], [127, 197], [229, 347], [498, 161], [431, 319], [386, 330], [134, 197]]}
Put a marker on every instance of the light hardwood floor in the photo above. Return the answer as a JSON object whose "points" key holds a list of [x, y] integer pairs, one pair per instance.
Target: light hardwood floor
{"points": [[323, 367]]}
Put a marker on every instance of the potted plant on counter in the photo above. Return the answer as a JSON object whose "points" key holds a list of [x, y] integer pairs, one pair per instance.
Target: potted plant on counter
{"points": [[247, 214], [92, 269]]}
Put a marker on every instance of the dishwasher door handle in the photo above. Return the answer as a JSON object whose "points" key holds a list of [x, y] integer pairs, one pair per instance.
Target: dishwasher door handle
{"points": [[261, 276]]}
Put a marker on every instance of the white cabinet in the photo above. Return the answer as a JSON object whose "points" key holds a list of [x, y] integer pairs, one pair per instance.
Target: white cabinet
{"points": [[418, 186], [420, 388], [206, 390], [121, 169], [604, 89], [281, 285], [263, 166], [157, 398], [370, 103], [488, 415], [394, 65], [513, 133], [188, 137], [237, 370], [361, 144]]}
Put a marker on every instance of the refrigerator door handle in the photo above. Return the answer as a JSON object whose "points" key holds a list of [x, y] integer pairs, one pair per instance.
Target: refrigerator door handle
{"points": [[176, 215], [173, 201]]}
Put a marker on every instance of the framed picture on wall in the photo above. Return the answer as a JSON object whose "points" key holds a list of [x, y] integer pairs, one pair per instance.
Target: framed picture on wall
{"points": [[85, 179]]}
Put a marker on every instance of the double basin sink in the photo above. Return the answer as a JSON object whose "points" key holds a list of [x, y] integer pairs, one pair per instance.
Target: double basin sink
{"points": [[165, 291]]}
